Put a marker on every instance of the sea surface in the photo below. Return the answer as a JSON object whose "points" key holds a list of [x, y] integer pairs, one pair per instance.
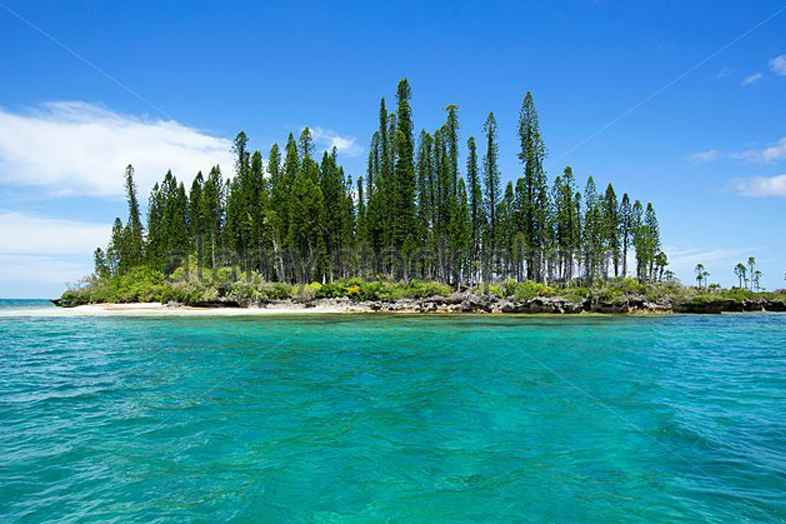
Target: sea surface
{"points": [[392, 419]]}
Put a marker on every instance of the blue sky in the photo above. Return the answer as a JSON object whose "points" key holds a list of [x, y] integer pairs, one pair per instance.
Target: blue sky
{"points": [[677, 103]]}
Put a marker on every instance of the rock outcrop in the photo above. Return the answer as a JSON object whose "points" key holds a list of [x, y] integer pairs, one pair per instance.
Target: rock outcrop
{"points": [[468, 302]]}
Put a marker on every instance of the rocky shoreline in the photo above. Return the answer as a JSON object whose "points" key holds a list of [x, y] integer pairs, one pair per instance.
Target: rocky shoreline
{"points": [[473, 303], [470, 303]]}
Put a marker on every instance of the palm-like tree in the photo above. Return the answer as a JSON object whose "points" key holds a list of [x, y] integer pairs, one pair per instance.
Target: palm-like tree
{"points": [[755, 280], [701, 275], [741, 271]]}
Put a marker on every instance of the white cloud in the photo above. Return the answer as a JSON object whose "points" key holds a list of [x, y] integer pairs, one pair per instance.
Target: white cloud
{"points": [[752, 79], [771, 153], [27, 275], [775, 152], [39, 255], [26, 234], [77, 148], [778, 65], [329, 139], [724, 72], [687, 259], [762, 186], [705, 156]]}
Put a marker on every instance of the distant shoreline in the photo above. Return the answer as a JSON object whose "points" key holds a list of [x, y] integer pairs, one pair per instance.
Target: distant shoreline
{"points": [[454, 304]]}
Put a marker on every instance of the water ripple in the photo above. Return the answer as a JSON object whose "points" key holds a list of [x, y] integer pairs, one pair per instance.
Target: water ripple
{"points": [[393, 419]]}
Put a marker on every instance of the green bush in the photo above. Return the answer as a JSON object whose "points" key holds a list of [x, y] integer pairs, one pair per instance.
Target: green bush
{"points": [[192, 292], [527, 290], [426, 289], [380, 290], [581, 291], [307, 291], [362, 290], [335, 289], [254, 289], [488, 289]]}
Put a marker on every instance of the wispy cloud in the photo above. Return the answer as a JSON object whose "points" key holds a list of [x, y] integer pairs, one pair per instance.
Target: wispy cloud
{"points": [[724, 72], [686, 259], [778, 65], [29, 234], [329, 139], [77, 148], [761, 186], [39, 255], [51, 274], [776, 151], [752, 79], [705, 156], [771, 153]]}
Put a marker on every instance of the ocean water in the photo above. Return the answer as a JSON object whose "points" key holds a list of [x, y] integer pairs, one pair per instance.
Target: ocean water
{"points": [[393, 419]]}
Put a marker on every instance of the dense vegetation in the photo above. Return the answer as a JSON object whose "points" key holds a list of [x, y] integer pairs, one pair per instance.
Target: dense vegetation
{"points": [[294, 225], [294, 218]]}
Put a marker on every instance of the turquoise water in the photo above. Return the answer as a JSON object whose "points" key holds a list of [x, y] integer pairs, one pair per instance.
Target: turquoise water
{"points": [[372, 419]]}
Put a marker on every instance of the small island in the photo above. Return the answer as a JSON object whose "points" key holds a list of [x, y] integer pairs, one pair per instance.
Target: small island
{"points": [[416, 234]]}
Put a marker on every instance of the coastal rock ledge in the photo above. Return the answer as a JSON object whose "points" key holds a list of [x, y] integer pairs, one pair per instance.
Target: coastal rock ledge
{"points": [[476, 303]]}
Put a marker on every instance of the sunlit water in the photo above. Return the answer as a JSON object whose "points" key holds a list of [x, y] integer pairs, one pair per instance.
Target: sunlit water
{"points": [[372, 419]]}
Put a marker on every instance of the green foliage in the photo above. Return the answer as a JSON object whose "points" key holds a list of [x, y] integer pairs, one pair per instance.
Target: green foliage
{"points": [[426, 289], [189, 292], [357, 289], [494, 290], [360, 290], [139, 284], [304, 222], [252, 288], [525, 290], [307, 291]]}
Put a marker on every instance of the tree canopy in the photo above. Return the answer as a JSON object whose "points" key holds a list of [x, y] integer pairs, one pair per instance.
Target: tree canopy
{"points": [[296, 216]]}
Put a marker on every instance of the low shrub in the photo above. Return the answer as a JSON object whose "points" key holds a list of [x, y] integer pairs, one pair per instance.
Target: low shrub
{"points": [[426, 289], [527, 290], [254, 289]]}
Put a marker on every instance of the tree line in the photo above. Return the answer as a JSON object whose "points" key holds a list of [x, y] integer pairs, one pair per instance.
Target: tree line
{"points": [[418, 212]]}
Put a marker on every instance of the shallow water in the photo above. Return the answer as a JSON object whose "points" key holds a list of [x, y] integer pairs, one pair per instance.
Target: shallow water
{"points": [[365, 419]]}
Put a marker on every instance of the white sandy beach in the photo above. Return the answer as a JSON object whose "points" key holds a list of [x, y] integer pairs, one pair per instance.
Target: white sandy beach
{"points": [[156, 309]]}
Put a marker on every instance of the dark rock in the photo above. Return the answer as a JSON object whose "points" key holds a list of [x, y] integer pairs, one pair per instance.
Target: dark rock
{"points": [[707, 306], [215, 304], [427, 307], [515, 307], [775, 305], [473, 303]]}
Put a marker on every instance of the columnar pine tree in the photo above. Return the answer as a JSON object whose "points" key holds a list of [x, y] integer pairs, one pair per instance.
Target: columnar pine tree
{"points": [[301, 218], [611, 225], [626, 231], [593, 242], [100, 262], [452, 142], [477, 216], [491, 178], [114, 252], [460, 233], [213, 215], [405, 213], [639, 238], [534, 204], [196, 222], [651, 239], [134, 234], [567, 229]]}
